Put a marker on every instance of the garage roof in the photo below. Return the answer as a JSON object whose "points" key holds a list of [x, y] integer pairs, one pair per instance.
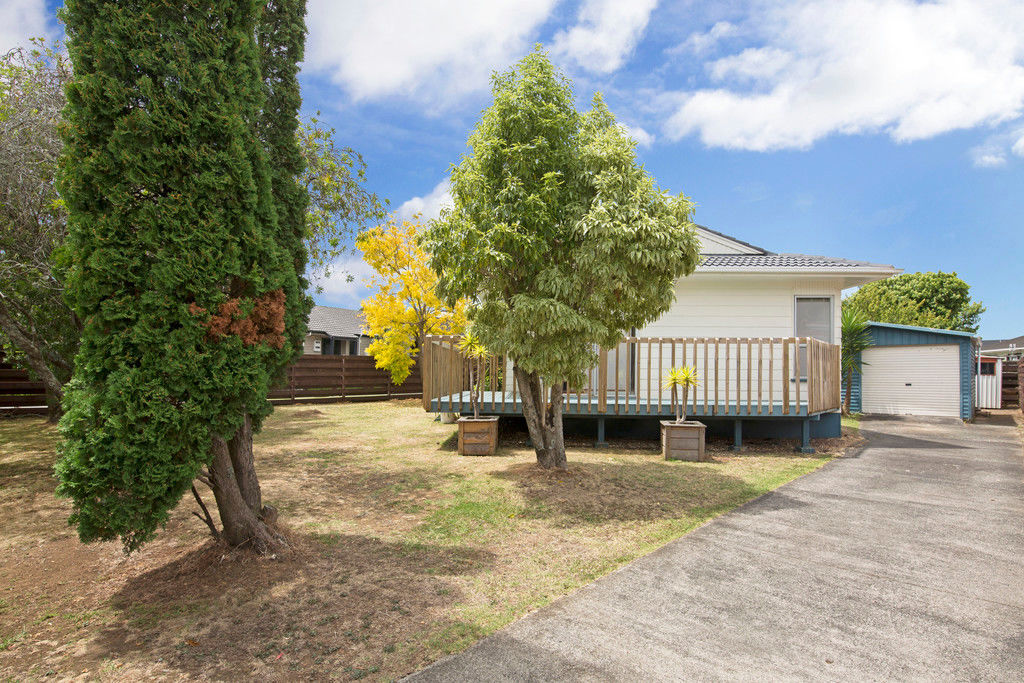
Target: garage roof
{"points": [[914, 328]]}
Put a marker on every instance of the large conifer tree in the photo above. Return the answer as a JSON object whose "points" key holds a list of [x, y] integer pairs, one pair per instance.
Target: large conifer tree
{"points": [[183, 275]]}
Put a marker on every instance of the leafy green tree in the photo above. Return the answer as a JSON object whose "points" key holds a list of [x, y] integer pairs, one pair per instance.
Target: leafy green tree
{"points": [[940, 300], [340, 204], [558, 238], [856, 336], [37, 328], [183, 260]]}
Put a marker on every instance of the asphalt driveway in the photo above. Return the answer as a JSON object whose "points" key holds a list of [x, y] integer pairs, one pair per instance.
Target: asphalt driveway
{"points": [[903, 562]]}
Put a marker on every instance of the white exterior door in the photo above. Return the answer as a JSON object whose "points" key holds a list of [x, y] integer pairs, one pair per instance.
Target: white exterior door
{"points": [[990, 384], [911, 380]]}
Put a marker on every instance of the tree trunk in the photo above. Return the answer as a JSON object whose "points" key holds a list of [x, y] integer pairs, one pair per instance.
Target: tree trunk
{"points": [[33, 354], [241, 525], [543, 421], [53, 408], [244, 465]]}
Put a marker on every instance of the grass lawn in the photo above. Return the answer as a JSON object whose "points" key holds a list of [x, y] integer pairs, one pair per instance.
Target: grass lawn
{"points": [[401, 550], [851, 421]]}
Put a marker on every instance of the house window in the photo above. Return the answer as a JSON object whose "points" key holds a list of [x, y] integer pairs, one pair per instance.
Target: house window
{"points": [[813, 317], [353, 347], [988, 368], [317, 345]]}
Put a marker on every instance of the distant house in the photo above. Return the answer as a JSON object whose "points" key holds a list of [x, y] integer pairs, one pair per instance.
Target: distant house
{"points": [[1011, 349], [336, 332]]}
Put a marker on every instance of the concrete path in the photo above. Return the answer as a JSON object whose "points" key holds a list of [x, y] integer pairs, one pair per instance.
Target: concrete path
{"points": [[905, 562]]}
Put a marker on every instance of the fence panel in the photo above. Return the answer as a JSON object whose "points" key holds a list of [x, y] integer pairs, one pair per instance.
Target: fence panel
{"points": [[333, 379], [19, 393]]}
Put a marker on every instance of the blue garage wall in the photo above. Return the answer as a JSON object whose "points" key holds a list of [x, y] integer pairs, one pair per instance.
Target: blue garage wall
{"points": [[885, 334]]}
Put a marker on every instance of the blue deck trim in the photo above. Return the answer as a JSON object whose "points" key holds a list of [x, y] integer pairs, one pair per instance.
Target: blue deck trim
{"points": [[624, 408]]}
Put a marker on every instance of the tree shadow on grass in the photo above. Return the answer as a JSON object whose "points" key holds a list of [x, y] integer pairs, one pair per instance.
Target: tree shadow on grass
{"points": [[595, 493], [333, 601]]}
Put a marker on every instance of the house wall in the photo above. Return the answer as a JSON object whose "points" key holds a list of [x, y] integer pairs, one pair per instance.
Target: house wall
{"points": [[364, 342], [718, 305], [307, 343], [741, 305]]}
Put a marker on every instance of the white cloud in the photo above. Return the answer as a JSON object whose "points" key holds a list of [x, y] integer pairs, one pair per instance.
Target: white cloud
{"points": [[994, 151], [433, 52], [642, 137], [699, 43], [1018, 146], [346, 285], [985, 157], [21, 20], [606, 33], [913, 70], [428, 206]]}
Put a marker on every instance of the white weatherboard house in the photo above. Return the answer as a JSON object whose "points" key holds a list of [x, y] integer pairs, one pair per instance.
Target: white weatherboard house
{"points": [[762, 329]]}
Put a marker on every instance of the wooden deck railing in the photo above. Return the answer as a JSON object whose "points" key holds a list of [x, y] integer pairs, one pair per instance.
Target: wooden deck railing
{"points": [[747, 377]]}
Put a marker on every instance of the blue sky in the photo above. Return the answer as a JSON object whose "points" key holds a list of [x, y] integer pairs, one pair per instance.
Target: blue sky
{"points": [[884, 130]]}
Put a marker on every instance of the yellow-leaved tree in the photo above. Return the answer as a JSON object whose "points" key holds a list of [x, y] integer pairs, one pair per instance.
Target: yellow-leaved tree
{"points": [[404, 306]]}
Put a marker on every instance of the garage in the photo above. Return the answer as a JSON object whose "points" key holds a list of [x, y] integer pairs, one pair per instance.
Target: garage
{"points": [[915, 371]]}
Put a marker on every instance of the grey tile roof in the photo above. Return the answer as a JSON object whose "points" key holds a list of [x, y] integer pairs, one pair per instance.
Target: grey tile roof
{"points": [[336, 322], [990, 344], [783, 261]]}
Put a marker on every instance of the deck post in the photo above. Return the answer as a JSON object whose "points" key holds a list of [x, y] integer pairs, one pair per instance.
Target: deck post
{"points": [[600, 443], [805, 436], [737, 435]]}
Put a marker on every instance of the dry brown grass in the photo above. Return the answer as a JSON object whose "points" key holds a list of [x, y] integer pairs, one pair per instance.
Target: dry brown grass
{"points": [[401, 551]]}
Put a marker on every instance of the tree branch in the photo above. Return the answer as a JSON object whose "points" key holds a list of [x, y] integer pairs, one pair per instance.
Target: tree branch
{"points": [[206, 515]]}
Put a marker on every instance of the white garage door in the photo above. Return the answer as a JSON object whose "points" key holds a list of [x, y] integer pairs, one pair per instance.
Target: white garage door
{"points": [[911, 380]]}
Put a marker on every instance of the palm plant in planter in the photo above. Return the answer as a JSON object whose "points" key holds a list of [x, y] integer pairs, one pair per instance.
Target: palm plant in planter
{"points": [[682, 439], [477, 435]]}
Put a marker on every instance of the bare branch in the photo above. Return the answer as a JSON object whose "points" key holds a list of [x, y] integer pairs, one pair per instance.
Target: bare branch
{"points": [[206, 515]]}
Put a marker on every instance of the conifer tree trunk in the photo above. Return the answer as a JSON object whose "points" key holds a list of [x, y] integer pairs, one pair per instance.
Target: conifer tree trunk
{"points": [[543, 421], [241, 526], [244, 465]]}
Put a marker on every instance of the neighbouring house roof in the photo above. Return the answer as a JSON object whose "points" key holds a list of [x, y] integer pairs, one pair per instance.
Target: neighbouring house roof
{"points": [[336, 322], [1002, 344], [738, 242]]}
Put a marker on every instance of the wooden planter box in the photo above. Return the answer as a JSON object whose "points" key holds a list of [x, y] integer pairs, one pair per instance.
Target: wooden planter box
{"points": [[683, 440], [478, 436]]}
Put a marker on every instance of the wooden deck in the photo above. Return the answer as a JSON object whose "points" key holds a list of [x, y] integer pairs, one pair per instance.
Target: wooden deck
{"points": [[740, 377]]}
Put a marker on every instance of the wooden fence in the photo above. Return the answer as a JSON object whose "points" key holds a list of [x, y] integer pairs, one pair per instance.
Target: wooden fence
{"points": [[333, 379], [19, 394], [1020, 385], [788, 376], [1012, 387]]}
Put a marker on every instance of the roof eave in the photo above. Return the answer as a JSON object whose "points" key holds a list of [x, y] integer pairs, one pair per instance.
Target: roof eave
{"points": [[884, 271]]}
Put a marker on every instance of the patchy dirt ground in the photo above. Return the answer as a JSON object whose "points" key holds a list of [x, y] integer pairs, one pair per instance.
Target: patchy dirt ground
{"points": [[400, 550]]}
